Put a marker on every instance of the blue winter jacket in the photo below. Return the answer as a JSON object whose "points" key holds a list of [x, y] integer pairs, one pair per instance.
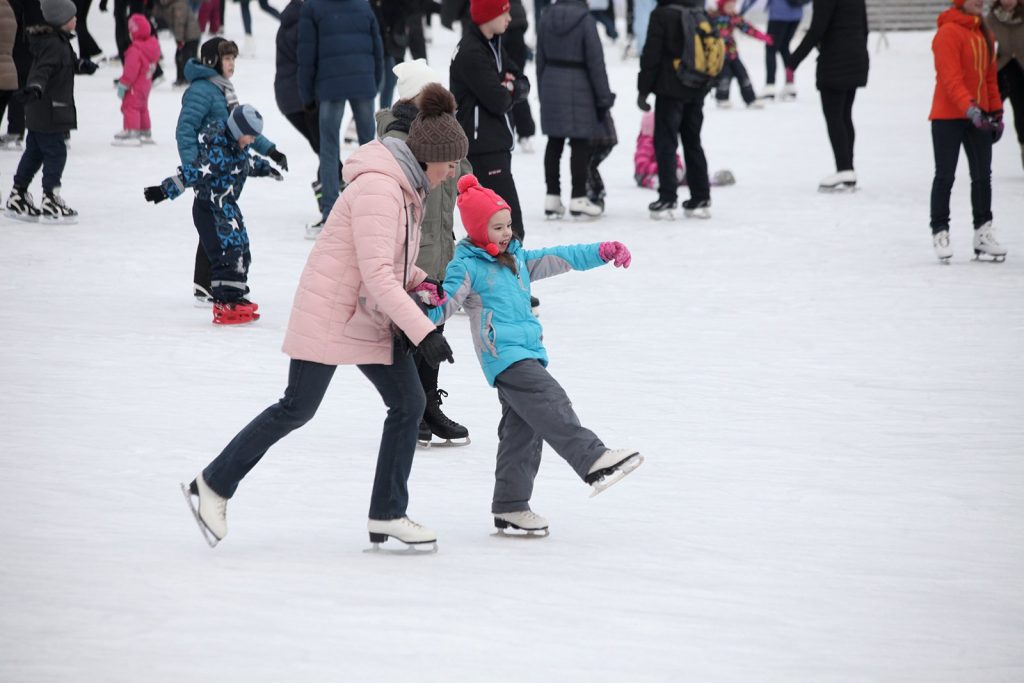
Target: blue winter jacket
{"points": [[498, 301], [202, 103], [778, 10], [341, 55]]}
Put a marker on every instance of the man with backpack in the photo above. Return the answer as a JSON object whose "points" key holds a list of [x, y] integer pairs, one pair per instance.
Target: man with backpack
{"points": [[681, 59]]}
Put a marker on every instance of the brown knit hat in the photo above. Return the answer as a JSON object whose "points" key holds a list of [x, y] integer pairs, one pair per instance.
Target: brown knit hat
{"points": [[435, 135]]}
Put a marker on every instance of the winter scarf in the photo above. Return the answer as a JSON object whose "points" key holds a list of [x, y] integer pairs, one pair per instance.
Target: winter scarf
{"points": [[227, 88]]}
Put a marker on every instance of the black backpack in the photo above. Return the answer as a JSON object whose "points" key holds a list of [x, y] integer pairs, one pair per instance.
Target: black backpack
{"points": [[703, 50]]}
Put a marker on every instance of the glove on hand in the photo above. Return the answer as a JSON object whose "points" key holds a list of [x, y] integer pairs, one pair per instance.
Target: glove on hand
{"points": [[122, 90], [997, 127], [28, 94], [641, 101], [520, 90], [87, 67], [617, 253], [434, 349], [155, 194], [279, 159], [979, 118], [769, 41], [276, 175], [430, 292]]}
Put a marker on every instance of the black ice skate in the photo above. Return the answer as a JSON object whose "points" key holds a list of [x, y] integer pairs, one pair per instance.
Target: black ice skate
{"points": [[611, 467], [418, 539], [441, 425], [527, 521], [20, 206], [697, 208], [54, 210], [662, 210]]}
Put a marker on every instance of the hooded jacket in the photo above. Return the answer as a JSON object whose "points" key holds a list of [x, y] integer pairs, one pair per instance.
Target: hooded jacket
{"points": [[437, 233], [53, 71], [571, 76], [341, 56], [139, 63], [839, 29], [965, 67], [356, 280], [663, 46], [504, 328], [484, 103]]}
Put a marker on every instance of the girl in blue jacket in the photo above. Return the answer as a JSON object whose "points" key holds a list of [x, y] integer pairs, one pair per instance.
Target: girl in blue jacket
{"points": [[490, 279]]}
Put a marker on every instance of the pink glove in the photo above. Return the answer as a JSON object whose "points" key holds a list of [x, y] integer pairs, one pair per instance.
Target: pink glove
{"points": [[430, 292], [615, 252]]}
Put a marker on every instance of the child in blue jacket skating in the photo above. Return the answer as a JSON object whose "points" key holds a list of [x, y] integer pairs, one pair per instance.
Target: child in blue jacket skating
{"points": [[489, 277]]}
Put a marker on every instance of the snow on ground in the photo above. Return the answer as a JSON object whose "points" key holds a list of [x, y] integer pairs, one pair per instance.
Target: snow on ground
{"points": [[833, 425]]}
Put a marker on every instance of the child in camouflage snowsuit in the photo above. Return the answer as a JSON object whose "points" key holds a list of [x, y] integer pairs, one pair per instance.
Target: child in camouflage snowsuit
{"points": [[218, 175]]}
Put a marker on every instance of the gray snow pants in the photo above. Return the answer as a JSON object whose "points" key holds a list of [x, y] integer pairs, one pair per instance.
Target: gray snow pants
{"points": [[535, 409]]}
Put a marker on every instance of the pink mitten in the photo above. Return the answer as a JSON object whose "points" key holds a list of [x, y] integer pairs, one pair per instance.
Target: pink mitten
{"points": [[430, 292], [615, 252]]}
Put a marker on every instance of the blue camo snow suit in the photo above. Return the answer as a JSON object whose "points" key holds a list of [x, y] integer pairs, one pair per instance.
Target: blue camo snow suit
{"points": [[498, 300], [218, 175]]}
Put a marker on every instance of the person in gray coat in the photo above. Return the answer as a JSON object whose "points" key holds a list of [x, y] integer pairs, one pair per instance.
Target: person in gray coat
{"points": [[574, 99]]}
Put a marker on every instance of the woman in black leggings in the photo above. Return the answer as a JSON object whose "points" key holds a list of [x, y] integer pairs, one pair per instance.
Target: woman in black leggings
{"points": [[839, 29]]}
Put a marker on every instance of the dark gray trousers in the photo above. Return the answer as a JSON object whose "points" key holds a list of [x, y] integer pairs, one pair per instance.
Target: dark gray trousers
{"points": [[535, 409]]}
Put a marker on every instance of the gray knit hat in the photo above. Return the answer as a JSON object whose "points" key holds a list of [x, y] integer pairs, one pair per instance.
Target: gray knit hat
{"points": [[245, 120], [58, 12], [435, 135]]}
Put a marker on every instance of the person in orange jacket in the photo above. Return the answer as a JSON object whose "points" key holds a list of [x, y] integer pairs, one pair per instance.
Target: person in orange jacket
{"points": [[967, 111]]}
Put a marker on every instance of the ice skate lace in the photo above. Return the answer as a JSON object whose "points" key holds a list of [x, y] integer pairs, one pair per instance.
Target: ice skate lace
{"points": [[987, 238], [447, 421], [942, 239]]}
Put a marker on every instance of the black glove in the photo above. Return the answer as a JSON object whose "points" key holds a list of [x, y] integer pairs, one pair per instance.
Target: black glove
{"points": [[275, 174], [28, 94], [87, 67], [278, 158], [641, 101], [103, 5], [434, 349], [520, 90], [155, 194]]}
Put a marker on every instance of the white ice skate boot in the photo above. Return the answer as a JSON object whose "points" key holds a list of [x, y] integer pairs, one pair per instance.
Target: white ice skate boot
{"points": [[582, 207], [789, 92], [611, 467], [553, 207], [313, 230], [209, 509], [523, 520], [940, 241], [843, 181], [127, 138], [21, 207], [53, 209], [769, 92], [985, 244], [526, 145], [416, 537]]}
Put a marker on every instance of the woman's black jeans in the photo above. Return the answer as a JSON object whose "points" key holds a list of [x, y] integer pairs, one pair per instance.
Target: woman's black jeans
{"points": [[947, 137]]}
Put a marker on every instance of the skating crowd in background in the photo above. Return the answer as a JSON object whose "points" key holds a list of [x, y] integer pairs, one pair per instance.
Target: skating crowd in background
{"points": [[434, 150]]}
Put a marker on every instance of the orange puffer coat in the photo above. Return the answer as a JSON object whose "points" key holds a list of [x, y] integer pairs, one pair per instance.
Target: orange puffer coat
{"points": [[965, 67]]}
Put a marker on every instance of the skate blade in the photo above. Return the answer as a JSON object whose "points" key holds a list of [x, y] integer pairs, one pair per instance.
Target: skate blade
{"points": [[429, 548], [988, 258], [702, 214], [510, 530], [553, 216], [66, 220], [837, 189], [447, 443], [609, 480], [125, 144], [20, 217], [663, 215], [208, 535], [581, 217]]}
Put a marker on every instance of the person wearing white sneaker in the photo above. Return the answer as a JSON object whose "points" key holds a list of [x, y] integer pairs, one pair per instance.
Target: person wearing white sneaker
{"points": [[966, 112], [361, 272], [490, 279]]}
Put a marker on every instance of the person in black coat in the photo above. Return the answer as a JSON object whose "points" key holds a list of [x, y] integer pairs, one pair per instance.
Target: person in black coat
{"points": [[487, 84], [678, 111], [839, 29], [515, 43], [50, 114]]}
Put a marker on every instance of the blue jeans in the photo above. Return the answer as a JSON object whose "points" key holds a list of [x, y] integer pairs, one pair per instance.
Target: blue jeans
{"points": [[331, 114], [399, 386], [46, 150], [247, 15], [387, 86]]}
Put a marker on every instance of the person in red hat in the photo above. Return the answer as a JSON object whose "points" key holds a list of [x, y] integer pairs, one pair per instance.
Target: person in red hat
{"points": [[487, 84], [490, 279]]}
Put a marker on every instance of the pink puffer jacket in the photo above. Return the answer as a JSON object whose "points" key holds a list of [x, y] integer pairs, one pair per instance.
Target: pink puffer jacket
{"points": [[351, 289]]}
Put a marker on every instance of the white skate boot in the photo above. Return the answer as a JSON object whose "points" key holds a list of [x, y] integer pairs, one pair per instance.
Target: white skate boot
{"points": [[843, 181], [313, 230], [553, 207], [523, 520], [127, 138], [789, 92], [209, 509], [985, 244], [416, 537], [940, 241], [582, 207], [611, 467], [768, 93]]}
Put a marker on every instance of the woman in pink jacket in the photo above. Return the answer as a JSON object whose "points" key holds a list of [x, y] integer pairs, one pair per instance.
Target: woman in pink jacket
{"points": [[353, 307]]}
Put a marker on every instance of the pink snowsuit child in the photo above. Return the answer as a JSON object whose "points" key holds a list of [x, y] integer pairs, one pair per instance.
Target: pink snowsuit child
{"points": [[137, 80], [645, 166]]}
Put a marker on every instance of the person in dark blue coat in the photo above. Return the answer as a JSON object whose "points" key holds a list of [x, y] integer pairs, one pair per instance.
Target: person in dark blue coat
{"points": [[341, 58], [574, 98]]}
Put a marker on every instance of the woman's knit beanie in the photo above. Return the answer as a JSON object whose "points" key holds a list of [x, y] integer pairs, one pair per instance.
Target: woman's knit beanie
{"points": [[435, 135], [476, 206], [412, 77], [58, 12]]}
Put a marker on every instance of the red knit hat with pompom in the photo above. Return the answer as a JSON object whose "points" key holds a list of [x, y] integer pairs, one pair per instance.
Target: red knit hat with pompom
{"points": [[476, 206], [482, 11]]}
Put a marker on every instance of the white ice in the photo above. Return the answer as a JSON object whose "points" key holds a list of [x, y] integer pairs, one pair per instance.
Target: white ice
{"points": [[832, 422]]}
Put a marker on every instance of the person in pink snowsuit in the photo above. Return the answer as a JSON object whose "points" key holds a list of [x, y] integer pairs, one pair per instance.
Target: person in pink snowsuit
{"points": [[645, 165], [136, 81]]}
